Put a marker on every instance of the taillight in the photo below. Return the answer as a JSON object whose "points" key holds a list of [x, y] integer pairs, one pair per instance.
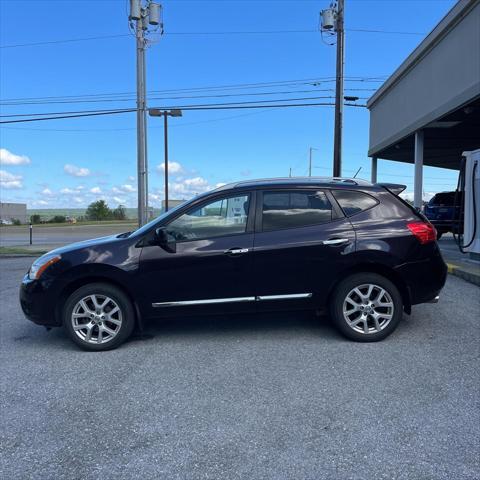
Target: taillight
{"points": [[424, 232]]}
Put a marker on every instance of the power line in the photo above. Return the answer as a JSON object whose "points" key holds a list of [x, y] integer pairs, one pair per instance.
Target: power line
{"points": [[183, 124], [59, 117], [223, 95], [187, 107], [272, 84], [66, 113], [251, 102], [206, 33]]}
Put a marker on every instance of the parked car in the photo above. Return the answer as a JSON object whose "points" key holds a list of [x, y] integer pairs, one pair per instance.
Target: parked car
{"points": [[444, 212], [4, 221], [348, 247]]}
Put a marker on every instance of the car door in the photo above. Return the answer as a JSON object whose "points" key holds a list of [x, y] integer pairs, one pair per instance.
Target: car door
{"points": [[209, 262], [302, 241]]}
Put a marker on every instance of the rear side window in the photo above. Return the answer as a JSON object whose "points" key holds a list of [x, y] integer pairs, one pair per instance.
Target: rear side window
{"points": [[353, 202], [293, 209]]}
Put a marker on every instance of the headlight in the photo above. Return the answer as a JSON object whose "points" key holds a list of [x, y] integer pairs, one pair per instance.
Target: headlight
{"points": [[40, 265]]}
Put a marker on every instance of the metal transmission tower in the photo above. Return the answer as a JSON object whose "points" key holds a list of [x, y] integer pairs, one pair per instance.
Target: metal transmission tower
{"points": [[332, 20], [143, 14]]}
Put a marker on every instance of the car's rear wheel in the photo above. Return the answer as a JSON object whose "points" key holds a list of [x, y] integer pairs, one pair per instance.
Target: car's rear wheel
{"points": [[366, 307], [98, 317]]}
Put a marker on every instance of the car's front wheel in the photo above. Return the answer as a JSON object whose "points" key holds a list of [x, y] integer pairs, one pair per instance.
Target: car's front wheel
{"points": [[98, 317], [366, 307]]}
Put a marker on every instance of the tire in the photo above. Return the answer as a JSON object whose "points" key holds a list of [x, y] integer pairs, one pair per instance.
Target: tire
{"points": [[358, 323], [105, 312]]}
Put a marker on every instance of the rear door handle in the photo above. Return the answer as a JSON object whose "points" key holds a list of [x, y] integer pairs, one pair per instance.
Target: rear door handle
{"points": [[235, 251], [336, 241]]}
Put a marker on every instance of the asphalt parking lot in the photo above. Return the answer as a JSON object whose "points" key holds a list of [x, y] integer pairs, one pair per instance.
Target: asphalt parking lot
{"points": [[263, 397]]}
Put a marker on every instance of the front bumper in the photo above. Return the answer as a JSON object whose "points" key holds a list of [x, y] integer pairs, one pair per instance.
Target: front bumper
{"points": [[36, 302]]}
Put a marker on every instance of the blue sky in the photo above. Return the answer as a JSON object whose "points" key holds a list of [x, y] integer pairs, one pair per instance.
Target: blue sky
{"points": [[69, 163]]}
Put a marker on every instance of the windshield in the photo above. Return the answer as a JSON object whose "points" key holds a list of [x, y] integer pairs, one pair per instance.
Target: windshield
{"points": [[149, 225]]}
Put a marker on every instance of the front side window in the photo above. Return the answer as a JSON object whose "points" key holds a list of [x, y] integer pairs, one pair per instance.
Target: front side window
{"points": [[353, 202], [225, 216], [293, 209]]}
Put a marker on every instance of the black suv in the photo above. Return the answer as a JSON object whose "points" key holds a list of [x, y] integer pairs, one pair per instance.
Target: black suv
{"points": [[345, 246]]}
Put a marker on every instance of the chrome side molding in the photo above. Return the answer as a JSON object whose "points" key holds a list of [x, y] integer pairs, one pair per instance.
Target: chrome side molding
{"points": [[284, 297], [210, 301]]}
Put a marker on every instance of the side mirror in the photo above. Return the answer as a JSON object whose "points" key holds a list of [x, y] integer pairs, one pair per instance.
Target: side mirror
{"points": [[162, 239]]}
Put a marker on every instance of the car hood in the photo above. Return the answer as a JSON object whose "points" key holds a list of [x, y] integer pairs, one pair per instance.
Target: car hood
{"points": [[94, 242]]}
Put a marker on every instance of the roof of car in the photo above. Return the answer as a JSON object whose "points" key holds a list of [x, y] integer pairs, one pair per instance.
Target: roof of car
{"points": [[297, 181]]}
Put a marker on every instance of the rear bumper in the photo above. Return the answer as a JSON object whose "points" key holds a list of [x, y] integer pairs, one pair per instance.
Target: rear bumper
{"points": [[425, 278]]}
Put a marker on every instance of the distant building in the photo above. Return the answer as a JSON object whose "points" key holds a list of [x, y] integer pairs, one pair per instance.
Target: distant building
{"points": [[171, 203], [14, 211]]}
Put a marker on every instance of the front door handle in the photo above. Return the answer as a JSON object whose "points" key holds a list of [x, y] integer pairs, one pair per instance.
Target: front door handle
{"points": [[336, 241], [235, 251]]}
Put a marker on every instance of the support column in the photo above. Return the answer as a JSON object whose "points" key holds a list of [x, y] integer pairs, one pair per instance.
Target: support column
{"points": [[418, 182], [374, 170]]}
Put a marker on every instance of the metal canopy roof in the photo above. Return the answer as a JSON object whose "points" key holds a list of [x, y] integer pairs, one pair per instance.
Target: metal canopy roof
{"points": [[436, 89]]}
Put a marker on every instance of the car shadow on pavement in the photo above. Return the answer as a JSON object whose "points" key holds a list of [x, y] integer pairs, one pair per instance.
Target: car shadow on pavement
{"points": [[251, 324]]}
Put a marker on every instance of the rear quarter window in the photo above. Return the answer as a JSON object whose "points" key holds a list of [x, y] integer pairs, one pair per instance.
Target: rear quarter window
{"points": [[353, 202]]}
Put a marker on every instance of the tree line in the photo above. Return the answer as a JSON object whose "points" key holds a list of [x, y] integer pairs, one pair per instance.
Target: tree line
{"points": [[96, 211]]}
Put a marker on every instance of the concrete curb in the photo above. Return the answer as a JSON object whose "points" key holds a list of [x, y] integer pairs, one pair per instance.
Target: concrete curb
{"points": [[466, 274]]}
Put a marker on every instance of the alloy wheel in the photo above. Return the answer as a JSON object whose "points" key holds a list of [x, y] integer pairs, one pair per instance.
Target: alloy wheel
{"points": [[96, 319], [368, 308]]}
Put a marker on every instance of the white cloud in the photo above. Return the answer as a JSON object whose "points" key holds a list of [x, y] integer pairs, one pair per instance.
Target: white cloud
{"points": [[41, 202], [409, 196], [96, 190], [130, 178], [173, 168], [9, 158], [67, 191], [119, 200], [10, 181], [78, 199], [127, 188], [196, 182], [47, 192], [76, 171], [189, 187]]}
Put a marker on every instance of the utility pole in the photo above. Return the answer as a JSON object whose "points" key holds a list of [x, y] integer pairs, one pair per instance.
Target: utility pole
{"points": [[310, 161], [141, 138], [290, 172], [141, 16], [337, 140], [332, 22]]}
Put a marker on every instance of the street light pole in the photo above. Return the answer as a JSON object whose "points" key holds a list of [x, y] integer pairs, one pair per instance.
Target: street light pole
{"points": [[155, 112], [165, 138]]}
